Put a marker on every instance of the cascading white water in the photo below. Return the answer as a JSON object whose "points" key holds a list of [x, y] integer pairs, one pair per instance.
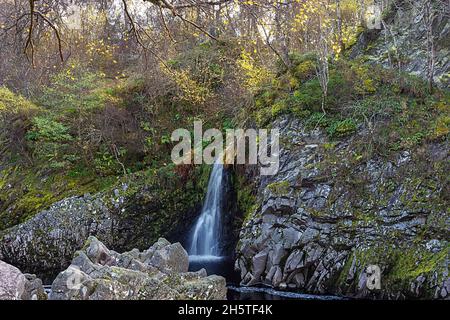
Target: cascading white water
{"points": [[207, 231]]}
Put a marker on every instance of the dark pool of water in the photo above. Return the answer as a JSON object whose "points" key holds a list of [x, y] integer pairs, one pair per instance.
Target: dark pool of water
{"points": [[224, 266]]}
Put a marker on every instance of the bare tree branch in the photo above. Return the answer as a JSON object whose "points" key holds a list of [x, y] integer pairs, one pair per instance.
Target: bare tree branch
{"points": [[29, 43], [138, 37]]}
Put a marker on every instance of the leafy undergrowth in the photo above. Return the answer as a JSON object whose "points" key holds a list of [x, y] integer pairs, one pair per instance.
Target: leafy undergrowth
{"points": [[84, 131], [396, 110]]}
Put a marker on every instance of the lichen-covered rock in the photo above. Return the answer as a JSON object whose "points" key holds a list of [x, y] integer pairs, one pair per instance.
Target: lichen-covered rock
{"points": [[14, 285], [12, 282], [324, 218], [45, 243], [131, 215], [171, 258], [401, 40], [161, 272]]}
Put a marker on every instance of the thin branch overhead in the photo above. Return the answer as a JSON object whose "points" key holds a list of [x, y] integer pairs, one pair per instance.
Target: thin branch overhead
{"points": [[29, 45]]}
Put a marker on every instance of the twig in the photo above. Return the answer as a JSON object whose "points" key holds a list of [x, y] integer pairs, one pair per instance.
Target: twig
{"points": [[55, 30], [138, 38], [165, 4], [165, 25]]}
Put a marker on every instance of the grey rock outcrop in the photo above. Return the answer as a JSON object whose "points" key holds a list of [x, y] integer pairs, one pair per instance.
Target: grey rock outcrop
{"points": [[401, 41], [121, 218], [339, 216], [14, 285], [46, 242], [159, 273]]}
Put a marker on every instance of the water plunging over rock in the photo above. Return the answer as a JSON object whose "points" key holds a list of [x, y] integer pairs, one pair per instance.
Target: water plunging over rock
{"points": [[206, 235]]}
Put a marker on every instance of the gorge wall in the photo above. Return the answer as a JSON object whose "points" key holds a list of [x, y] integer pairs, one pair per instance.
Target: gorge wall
{"points": [[333, 210], [402, 41], [134, 213], [325, 217]]}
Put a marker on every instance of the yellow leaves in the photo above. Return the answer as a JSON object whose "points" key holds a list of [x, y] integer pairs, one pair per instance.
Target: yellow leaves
{"points": [[441, 127], [13, 103], [365, 83], [254, 76], [191, 91], [442, 106], [100, 51], [336, 49], [349, 5]]}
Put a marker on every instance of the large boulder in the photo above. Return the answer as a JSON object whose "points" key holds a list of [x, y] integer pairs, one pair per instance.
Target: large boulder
{"points": [[159, 273], [130, 215], [14, 285]]}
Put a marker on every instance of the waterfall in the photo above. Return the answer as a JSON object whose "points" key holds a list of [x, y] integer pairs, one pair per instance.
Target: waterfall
{"points": [[205, 238]]}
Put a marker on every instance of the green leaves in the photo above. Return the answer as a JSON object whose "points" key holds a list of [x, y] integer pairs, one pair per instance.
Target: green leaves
{"points": [[47, 129], [342, 128]]}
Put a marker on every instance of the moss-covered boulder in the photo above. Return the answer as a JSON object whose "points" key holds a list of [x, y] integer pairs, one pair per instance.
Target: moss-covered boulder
{"points": [[137, 211]]}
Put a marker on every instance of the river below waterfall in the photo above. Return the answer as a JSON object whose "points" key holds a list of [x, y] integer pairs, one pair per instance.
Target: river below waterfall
{"points": [[224, 266]]}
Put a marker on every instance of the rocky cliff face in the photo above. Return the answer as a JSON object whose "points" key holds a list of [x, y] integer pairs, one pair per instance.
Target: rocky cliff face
{"points": [[326, 216], [401, 41]]}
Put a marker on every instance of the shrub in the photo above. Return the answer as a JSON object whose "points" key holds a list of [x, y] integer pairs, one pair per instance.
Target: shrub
{"points": [[204, 63], [308, 96], [279, 107], [75, 90], [342, 128], [441, 127], [13, 103], [48, 129], [305, 70], [50, 142], [254, 76], [15, 119], [106, 163]]}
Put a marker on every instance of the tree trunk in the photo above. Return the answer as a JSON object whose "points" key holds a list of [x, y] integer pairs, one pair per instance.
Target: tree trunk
{"points": [[429, 18], [339, 25]]}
